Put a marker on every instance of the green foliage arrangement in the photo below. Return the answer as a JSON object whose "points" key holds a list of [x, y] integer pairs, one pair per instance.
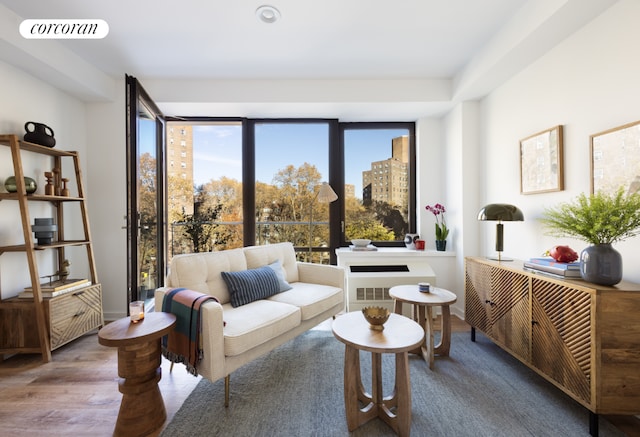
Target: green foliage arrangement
{"points": [[597, 219]]}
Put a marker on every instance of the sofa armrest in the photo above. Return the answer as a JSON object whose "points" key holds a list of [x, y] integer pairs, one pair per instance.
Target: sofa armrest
{"points": [[212, 365], [321, 274]]}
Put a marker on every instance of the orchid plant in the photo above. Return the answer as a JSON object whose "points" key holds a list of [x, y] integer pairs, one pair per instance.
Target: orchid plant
{"points": [[438, 211]]}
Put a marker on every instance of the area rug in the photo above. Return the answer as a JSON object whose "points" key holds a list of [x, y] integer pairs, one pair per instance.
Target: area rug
{"points": [[297, 390]]}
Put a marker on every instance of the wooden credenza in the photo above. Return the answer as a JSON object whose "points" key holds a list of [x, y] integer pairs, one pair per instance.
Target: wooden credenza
{"points": [[582, 337]]}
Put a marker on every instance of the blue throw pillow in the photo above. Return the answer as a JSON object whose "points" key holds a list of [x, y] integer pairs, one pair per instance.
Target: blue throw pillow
{"points": [[247, 286], [277, 267]]}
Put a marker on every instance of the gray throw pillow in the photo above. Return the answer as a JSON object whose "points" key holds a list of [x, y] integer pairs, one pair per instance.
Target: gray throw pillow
{"points": [[277, 267]]}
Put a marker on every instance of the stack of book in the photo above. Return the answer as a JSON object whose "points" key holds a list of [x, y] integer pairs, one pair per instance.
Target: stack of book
{"points": [[549, 266], [56, 288]]}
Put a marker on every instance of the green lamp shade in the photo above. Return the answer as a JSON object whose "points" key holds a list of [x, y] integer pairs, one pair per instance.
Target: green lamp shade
{"points": [[501, 212]]}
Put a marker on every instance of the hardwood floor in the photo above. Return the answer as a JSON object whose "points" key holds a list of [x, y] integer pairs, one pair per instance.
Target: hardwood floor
{"points": [[77, 392]]}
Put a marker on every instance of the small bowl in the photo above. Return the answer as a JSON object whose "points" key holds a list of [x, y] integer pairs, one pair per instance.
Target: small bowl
{"points": [[360, 242], [376, 316]]}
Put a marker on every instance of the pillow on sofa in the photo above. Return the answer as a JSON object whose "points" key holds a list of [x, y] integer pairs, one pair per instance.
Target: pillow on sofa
{"points": [[277, 267], [246, 286]]}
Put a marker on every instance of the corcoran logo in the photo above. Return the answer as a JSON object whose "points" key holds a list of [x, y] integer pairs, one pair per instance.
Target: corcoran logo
{"points": [[64, 29]]}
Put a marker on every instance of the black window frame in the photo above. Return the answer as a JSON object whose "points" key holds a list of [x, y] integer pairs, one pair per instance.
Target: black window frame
{"points": [[411, 211]]}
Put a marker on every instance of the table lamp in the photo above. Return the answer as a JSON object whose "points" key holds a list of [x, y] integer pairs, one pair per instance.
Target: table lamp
{"points": [[500, 212]]}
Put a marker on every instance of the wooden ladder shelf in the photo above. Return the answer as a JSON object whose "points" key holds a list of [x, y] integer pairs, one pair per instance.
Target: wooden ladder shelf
{"points": [[60, 319]]}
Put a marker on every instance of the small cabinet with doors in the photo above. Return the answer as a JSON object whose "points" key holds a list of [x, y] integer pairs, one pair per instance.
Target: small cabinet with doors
{"points": [[41, 324], [497, 303]]}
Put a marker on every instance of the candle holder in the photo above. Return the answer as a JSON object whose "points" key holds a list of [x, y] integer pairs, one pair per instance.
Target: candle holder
{"points": [[44, 229], [136, 311], [424, 287], [49, 189], [65, 190], [57, 184]]}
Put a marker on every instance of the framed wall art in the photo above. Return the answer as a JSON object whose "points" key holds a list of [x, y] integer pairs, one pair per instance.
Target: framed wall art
{"points": [[541, 164], [615, 159]]}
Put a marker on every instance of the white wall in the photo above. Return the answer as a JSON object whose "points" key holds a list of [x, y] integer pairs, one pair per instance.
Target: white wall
{"points": [[462, 164], [29, 99], [107, 170], [588, 83]]}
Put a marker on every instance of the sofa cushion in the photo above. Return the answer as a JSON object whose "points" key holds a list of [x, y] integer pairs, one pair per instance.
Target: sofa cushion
{"points": [[312, 299], [247, 286], [201, 271], [280, 273], [257, 256], [250, 325]]}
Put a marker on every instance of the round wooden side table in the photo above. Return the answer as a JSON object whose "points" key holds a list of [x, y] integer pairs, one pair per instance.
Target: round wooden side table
{"points": [[142, 409], [399, 336], [424, 302]]}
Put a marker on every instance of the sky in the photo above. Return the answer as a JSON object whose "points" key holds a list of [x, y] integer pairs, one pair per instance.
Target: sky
{"points": [[218, 149]]}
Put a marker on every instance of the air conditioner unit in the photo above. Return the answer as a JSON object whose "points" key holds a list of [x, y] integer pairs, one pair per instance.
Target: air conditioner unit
{"points": [[370, 274], [368, 285]]}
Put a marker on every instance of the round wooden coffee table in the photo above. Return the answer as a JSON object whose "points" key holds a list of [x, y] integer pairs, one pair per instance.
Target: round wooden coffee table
{"points": [[142, 409], [399, 336], [426, 301]]}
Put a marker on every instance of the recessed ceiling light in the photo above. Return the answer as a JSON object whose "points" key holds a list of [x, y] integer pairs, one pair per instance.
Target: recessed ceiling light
{"points": [[268, 14]]}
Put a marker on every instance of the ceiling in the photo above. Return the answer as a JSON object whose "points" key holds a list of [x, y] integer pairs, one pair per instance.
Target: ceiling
{"points": [[162, 42]]}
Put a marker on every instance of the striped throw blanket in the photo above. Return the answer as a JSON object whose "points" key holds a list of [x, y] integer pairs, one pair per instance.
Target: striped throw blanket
{"points": [[184, 343]]}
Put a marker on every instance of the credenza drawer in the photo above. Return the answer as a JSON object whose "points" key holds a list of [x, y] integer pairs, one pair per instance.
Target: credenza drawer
{"points": [[67, 316]]}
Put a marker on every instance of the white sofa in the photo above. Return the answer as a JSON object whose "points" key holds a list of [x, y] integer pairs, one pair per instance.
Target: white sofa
{"points": [[256, 328]]}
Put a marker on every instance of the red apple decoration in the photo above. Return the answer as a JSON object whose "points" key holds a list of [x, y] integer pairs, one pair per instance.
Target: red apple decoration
{"points": [[563, 254]]}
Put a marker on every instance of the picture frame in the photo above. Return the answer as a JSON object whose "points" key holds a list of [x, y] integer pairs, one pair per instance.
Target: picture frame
{"points": [[615, 159], [541, 162]]}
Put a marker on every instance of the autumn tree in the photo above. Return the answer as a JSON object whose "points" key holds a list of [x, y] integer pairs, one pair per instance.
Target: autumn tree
{"points": [[296, 190], [226, 194], [201, 226], [362, 222], [147, 207], [211, 216]]}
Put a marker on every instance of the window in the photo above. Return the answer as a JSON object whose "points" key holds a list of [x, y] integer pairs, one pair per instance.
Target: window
{"points": [[379, 179], [292, 161], [205, 198], [245, 182]]}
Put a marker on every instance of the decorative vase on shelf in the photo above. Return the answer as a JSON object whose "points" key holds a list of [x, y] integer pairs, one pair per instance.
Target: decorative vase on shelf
{"points": [[601, 264], [29, 183], [410, 241], [39, 133], [441, 245]]}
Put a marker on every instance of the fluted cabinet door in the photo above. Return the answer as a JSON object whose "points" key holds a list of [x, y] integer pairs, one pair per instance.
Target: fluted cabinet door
{"points": [[510, 315], [561, 341], [477, 294], [497, 303]]}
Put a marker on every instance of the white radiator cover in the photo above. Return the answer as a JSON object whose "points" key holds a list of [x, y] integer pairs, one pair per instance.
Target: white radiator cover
{"points": [[372, 288]]}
